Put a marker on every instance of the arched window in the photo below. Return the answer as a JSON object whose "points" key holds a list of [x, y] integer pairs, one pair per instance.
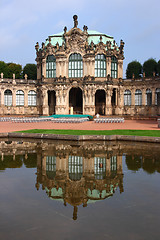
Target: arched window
{"points": [[157, 97], [100, 167], [51, 166], [127, 98], [50, 66], [148, 97], [19, 98], [75, 164], [114, 67], [100, 65], [138, 97], [8, 98], [75, 65], [32, 98], [113, 164]]}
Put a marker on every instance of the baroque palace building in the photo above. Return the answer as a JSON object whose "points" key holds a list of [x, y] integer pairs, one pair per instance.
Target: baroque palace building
{"points": [[80, 71]]}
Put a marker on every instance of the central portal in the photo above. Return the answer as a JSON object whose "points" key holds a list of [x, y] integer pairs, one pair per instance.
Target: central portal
{"points": [[100, 102], [76, 100]]}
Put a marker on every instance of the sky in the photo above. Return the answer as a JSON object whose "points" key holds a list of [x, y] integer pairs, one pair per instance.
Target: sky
{"points": [[23, 23]]}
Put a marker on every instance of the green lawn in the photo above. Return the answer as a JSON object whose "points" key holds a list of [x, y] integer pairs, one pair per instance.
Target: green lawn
{"points": [[151, 133]]}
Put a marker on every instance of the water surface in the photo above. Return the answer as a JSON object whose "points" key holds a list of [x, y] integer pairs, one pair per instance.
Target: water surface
{"points": [[66, 190]]}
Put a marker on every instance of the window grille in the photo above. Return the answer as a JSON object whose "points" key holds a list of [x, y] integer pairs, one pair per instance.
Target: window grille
{"points": [[113, 164], [50, 66], [157, 97], [114, 67], [51, 166], [148, 97], [138, 97], [32, 98], [75, 167], [100, 65], [99, 167], [20, 98], [127, 98], [8, 98], [75, 65]]}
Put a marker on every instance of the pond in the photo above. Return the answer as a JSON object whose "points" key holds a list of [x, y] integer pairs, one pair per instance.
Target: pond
{"points": [[70, 190]]}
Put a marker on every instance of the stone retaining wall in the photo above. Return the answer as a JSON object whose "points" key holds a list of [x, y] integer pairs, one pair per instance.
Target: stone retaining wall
{"points": [[80, 137]]}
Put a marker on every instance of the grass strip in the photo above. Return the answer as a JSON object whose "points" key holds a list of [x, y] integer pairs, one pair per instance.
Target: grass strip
{"points": [[149, 133]]}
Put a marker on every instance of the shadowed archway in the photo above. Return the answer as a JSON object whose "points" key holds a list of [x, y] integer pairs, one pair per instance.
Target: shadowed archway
{"points": [[51, 102], [100, 102], [76, 100]]}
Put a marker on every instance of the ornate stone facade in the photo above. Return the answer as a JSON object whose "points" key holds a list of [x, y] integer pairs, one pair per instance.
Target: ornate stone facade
{"points": [[80, 71]]}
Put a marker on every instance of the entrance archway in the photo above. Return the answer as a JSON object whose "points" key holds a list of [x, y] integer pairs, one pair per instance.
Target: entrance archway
{"points": [[76, 100], [51, 102], [100, 102]]}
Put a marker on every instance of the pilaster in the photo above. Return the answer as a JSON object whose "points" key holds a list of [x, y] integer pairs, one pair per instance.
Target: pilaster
{"points": [[153, 96], [108, 102], [45, 102], [143, 97], [14, 98], [25, 98], [2, 97], [133, 97], [120, 68], [108, 65], [44, 67]]}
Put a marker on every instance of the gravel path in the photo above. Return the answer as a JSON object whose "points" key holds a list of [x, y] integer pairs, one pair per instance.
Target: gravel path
{"points": [[90, 125]]}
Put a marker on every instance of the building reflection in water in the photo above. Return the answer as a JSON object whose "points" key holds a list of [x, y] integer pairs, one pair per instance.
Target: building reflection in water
{"points": [[79, 177], [80, 173]]}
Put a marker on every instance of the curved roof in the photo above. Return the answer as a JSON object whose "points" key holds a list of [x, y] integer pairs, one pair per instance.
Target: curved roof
{"points": [[93, 36], [58, 37]]}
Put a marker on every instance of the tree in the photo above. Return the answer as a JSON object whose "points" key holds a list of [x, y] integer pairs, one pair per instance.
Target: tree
{"points": [[16, 69], [158, 67], [30, 70], [4, 69], [149, 67], [135, 68]]}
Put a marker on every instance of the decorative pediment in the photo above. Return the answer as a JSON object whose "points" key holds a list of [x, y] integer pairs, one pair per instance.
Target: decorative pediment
{"points": [[75, 40], [100, 48]]}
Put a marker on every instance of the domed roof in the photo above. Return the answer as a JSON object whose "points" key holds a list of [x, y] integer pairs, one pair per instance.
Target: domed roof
{"points": [[93, 36]]}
